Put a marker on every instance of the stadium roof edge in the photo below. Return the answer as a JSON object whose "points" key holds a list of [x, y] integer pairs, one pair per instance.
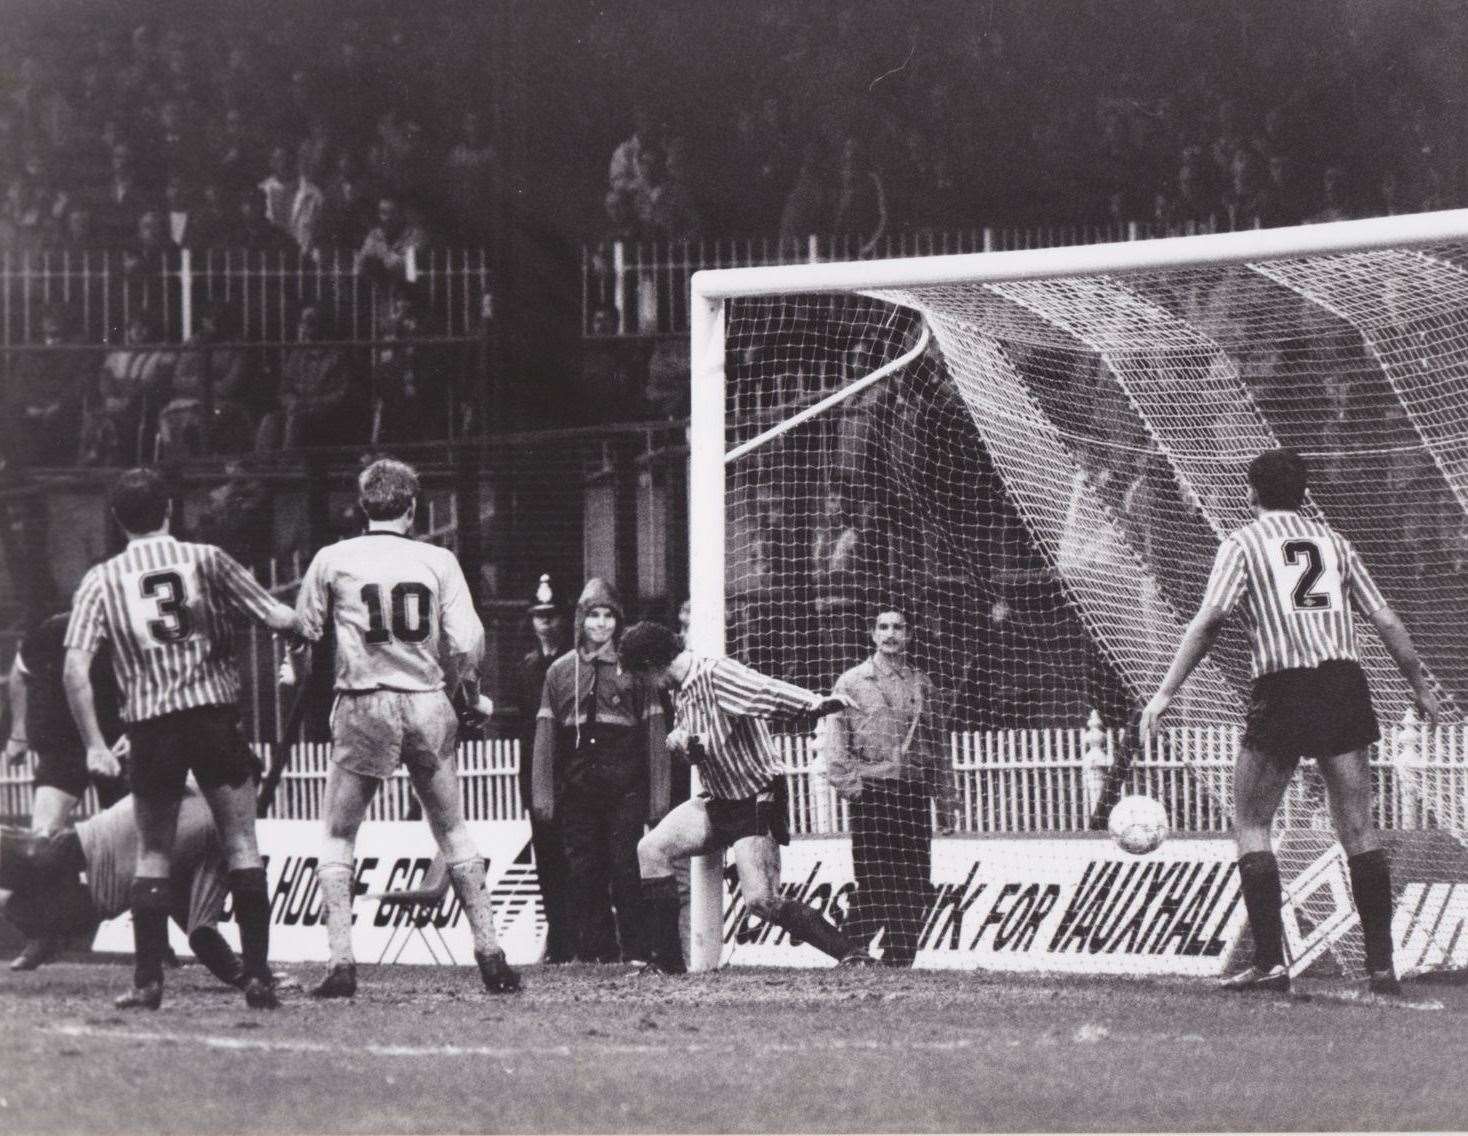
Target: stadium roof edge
{"points": [[1082, 260]]}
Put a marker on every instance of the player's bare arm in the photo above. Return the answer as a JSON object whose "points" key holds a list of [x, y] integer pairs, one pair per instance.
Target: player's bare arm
{"points": [[1197, 641], [1399, 644], [77, 678]]}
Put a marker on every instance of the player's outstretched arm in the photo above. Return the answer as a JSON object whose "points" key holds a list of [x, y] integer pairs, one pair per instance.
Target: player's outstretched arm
{"points": [[1398, 643], [1202, 633]]}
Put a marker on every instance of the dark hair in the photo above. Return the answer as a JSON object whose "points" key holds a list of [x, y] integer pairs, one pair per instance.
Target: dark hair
{"points": [[648, 646], [883, 608], [139, 501], [1279, 479]]}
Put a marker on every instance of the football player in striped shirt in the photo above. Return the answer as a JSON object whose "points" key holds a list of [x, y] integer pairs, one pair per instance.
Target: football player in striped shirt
{"points": [[406, 629], [721, 710], [166, 609], [1293, 580]]}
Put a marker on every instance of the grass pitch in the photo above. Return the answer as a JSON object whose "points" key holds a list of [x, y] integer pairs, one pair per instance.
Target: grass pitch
{"points": [[596, 1049]]}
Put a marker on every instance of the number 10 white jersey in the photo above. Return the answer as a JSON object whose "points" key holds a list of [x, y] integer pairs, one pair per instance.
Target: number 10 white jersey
{"points": [[399, 608], [1296, 577]]}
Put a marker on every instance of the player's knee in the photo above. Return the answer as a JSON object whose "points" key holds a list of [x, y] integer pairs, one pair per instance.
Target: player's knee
{"points": [[652, 858], [766, 905]]}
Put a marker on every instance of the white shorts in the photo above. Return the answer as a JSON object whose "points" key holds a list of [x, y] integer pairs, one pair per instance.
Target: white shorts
{"points": [[373, 731]]}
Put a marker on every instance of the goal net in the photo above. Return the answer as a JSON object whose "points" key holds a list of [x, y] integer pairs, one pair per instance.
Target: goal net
{"points": [[1042, 480]]}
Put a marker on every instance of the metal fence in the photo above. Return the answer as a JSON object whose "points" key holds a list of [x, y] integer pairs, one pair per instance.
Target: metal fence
{"points": [[257, 292], [641, 288], [1008, 781]]}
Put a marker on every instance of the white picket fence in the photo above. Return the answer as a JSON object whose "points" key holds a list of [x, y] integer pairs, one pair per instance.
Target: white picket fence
{"points": [[1009, 781]]}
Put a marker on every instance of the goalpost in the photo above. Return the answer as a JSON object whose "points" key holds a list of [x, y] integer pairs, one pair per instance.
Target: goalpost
{"points": [[1041, 459]]}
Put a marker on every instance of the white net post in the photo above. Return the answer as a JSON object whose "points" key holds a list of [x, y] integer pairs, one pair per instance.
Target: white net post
{"points": [[706, 584]]}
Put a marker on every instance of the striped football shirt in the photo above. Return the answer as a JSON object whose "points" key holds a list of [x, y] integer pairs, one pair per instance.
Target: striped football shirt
{"points": [[725, 704], [1295, 577], [398, 606], [167, 607]]}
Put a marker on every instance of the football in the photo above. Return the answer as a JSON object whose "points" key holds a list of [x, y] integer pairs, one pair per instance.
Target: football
{"points": [[1139, 824]]}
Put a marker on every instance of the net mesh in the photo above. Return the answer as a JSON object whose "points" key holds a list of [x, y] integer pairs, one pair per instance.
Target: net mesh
{"points": [[1045, 487]]}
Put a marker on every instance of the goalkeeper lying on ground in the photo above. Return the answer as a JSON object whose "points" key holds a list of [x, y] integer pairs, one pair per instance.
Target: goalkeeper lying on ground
{"points": [[43, 894]]}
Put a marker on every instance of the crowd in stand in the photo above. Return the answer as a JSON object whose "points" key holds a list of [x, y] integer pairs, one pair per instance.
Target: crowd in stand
{"points": [[365, 130], [866, 120], [144, 400], [286, 127]]}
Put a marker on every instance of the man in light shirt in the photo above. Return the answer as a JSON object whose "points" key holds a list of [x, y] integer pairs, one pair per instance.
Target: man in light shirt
{"points": [[406, 631]]}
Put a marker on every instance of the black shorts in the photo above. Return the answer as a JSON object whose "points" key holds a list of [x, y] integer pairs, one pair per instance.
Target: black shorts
{"points": [[206, 740], [764, 814], [64, 769], [1311, 711]]}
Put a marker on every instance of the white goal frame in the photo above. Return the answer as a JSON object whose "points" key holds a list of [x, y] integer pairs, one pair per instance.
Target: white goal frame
{"points": [[707, 455]]}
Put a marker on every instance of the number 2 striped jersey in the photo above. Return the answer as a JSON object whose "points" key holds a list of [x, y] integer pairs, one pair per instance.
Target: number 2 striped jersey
{"points": [[398, 606], [1295, 576], [167, 608]]}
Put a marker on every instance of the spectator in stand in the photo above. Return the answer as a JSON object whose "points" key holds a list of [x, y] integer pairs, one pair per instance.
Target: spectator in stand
{"points": [[1334, 203], [470, 170], [133, 378], [384, 251], [1280, 201], [236, 152], [238, 517], [346, 212], [176, 149], [250, 230], [861, 199], [804, 211], [76, 231], [665, 207], [411, 396], [764, 154], [307, 200], [43, 398], [1242, 193], [209, 220], [207, 412], [124, 201], [178, 213], [625, 170], [318, 405], [278, 188]]}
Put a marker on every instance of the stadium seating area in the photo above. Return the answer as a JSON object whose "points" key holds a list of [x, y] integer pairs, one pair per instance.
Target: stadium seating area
{"points": [[289, 125]]}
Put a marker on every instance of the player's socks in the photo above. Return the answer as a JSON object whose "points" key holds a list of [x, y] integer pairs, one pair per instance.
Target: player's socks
{"points": [[210, 949], [467, 877], [336, 898], [251, 897], [1371, 884], [150, 904], [660, 907], [1259, 878], [806, 923]]}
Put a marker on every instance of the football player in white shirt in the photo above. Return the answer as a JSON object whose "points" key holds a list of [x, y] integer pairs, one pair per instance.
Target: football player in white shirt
{"points": [[406, 631]]}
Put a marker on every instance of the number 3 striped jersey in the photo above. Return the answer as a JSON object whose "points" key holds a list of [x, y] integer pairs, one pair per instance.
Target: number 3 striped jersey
{"points": [[166, 606], [398, 606], [1295, 576]]}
